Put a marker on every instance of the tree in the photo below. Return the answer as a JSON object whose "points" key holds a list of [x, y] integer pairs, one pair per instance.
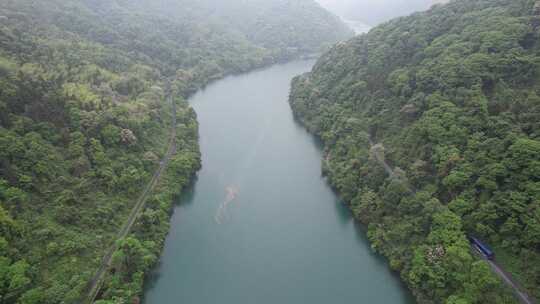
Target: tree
{"points": [[110, 135], [131, 257]]}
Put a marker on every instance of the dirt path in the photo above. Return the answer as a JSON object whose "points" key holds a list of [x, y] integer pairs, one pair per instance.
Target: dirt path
{"points": [[95, 285]]}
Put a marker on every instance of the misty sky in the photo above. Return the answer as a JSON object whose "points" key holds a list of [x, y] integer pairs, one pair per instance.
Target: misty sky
{"points": [[373, 12]]}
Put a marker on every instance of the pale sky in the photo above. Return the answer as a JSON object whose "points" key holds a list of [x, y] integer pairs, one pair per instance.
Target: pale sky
{"points": [[373, 12]]}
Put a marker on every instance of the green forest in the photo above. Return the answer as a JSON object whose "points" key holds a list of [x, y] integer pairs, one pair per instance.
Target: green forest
{"points": [[84, 122], [450, 99]]}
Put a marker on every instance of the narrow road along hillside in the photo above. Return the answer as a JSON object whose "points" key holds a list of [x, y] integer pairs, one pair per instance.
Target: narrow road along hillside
{"points": [[523, 297], [96, 283], [498, 270]]}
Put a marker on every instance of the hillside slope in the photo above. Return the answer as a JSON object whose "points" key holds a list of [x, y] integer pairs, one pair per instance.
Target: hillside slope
{"points": [[287, 27], [451, 97], [83, 124]]}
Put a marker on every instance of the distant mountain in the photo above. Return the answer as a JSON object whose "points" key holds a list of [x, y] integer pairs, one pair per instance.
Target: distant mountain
{"points": [[299, 24]]}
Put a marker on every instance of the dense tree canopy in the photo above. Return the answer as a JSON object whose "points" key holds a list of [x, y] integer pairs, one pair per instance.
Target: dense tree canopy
{"points": [[451, 96], [84, 123]]}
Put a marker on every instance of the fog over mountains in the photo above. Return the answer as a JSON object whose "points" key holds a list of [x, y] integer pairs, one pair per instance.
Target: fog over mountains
{"points": [[373, 12]]}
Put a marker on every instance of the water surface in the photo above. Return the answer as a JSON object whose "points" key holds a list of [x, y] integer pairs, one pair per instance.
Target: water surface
{"points": [[260, 225]]}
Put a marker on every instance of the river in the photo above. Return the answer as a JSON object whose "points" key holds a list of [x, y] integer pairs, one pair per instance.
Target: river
{"points": [[260, 224]]}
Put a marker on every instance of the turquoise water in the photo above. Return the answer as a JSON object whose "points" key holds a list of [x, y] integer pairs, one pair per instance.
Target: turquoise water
{"points": [[260, 224]]}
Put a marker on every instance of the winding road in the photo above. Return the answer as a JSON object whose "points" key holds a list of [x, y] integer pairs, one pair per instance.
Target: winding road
{"points": [[498, 270], [95, 284]]}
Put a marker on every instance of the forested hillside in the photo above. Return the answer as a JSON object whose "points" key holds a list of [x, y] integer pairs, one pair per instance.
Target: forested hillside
{"points": [[450, 98], [286, 27], [84, 122]]}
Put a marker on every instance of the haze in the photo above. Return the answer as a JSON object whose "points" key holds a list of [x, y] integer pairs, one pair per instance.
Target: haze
{"points": [[373, 12]]}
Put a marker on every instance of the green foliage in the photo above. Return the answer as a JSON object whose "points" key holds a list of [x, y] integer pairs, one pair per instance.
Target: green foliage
{"points": [[84, 121], [452, 95]]}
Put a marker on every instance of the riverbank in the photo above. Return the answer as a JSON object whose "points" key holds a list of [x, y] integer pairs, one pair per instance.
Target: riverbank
{"points": [[143, 235], [152, 226], [285, 237], [423, 117]]}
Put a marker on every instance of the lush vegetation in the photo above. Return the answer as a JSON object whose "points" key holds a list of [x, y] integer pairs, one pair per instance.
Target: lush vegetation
{"points": [[451, 97], [285, 27], [139, 252], [84, 123]]}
